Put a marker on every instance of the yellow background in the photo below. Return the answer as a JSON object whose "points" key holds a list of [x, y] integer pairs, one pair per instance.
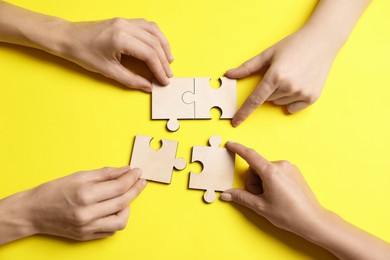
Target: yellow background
{"points": [[56, 119]]}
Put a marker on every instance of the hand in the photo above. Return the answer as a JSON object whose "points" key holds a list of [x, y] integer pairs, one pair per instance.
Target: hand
{"points": [[296, 71], [276, 191], [85, 205], [99, 46]]}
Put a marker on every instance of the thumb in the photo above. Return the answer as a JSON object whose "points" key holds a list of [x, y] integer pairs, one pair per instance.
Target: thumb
{"points": [[297, 106], [250, 66], [244, 198]]}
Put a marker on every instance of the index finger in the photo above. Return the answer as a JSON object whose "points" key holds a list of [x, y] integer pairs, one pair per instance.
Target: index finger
{"points": [[263, 90], [113, 188], [153, 29], [255, 160]]}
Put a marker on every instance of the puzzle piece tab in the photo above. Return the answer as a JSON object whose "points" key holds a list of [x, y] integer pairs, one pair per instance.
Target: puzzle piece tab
{"points": [[167, 101], [192, 98], [218, 169], [156, 165]]}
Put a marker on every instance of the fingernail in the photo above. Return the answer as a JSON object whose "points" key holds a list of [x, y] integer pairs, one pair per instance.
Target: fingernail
{"points": [[149, 90], [137, 171], [143, 183], [230, 142], [168, 81], [171, 58], [170, 73], [236, 123], [230, 70], [226, 196]]}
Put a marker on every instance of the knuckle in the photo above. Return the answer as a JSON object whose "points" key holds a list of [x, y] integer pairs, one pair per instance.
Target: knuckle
{"points": [[272, 170], [247, 68], [122, 188], [118, 22], [255, 100], [120, 205], [153, 26], [143, 20], [118, 38], [284, 164], [276, 78], [239, 197], [121, 225], [82, 196], [155, 43], [107, 171], [151, 57], [79, 218]]}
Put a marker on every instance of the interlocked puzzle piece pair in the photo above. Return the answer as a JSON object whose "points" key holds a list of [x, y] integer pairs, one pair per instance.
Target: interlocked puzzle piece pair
{"points": [[218, 164], [192, 98]]}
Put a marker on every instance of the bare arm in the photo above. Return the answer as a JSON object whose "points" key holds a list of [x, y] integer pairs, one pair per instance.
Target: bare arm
{"points": [[97, 46], [278, 192], [298, 65]]}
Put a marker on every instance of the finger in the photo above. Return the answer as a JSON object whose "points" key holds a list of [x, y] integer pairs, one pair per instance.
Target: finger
{"points": [[95, 236], [153, 28], [280, 92], [145, 53], [256, 99], [251, 66], [113, 188], [114, 205], [253, 182], [104, 174], [152, 41], [258, 163], [129, 79], [297, 106], [111, 223], [244, 198], [285, 100]]}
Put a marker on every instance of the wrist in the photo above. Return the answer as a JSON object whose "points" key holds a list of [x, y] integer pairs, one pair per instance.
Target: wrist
{"points": [[55, 38], [16, 220]]}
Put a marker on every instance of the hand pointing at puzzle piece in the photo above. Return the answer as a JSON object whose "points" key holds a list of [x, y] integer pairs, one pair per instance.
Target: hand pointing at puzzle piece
{"points": [[297, 66]]}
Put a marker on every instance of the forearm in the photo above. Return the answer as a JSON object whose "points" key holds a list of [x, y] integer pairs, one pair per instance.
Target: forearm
{"points": [[345, 240], [333, 20], [15, 222], [28, 28]]}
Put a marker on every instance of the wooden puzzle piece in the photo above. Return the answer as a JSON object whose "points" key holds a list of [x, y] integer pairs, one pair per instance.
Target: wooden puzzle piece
{"points": [[218, 169], [168, 103], [191, 98], [205, 98], [156, 165]]}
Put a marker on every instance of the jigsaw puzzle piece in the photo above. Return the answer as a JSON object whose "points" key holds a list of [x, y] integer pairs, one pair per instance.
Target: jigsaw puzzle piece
{"points": [[218, 169], [156, 165], [168, 103], [206, 97]]}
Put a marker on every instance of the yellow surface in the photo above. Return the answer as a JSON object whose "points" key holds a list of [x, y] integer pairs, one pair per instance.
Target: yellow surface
{"points": [[56, 119]]}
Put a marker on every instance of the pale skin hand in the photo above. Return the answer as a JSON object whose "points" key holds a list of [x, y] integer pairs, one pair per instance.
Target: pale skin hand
{"points": [[82, 206], [97, 46], [297, 66], [278, 192]]}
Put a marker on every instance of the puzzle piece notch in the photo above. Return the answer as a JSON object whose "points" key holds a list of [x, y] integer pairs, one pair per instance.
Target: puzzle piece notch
{"points": [[205, 98], [156, 165], [168, 103], [218, 169]]}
